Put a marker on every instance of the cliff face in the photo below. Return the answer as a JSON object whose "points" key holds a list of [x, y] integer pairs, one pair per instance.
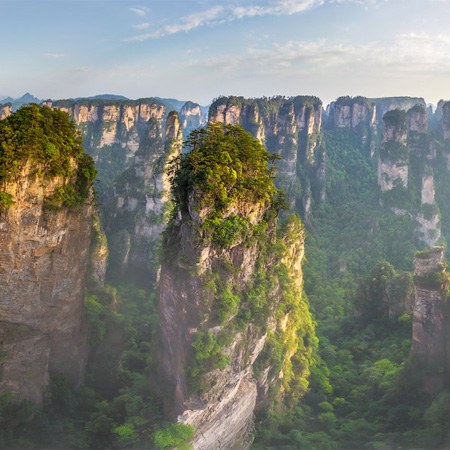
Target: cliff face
{"points": [[431, 318], [131, 143], [291, 127], [113, 131], [358, 114], [386, 104], [5, 111], [191, 117], [446, 120], [137, 213], [223, 310], [43, 258], [394, 155]]}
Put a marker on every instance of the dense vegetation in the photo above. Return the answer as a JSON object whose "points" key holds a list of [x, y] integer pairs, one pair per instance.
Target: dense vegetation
{"points": [[221, 187], [37, 140], [365, 391]]}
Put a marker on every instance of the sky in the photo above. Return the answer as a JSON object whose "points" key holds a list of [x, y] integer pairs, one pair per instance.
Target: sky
{"points": [[200, 49]]}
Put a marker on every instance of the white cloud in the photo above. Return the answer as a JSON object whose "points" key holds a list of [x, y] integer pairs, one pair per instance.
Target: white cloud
{"points": [[141, 26], [407, 54], [141, 12], [221, 14], [51, 55], [211, 16]]}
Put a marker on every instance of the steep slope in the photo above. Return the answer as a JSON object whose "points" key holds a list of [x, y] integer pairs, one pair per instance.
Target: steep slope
{"points": [[45, 228], [431, 323], [233, 320]]}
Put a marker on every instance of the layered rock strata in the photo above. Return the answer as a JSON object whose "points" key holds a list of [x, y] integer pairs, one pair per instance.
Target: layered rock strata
{"points": [[431, 318], [43, 259]]}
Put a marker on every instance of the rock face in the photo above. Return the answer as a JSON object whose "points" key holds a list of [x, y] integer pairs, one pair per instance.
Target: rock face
{"points": [[358, 114], [386, 104], [214, 355], [191, 117], [5, 111], [289, 126], [446, 120], [113, 130], [137, 213], [431, 318], [394, 155], [43, 259]]}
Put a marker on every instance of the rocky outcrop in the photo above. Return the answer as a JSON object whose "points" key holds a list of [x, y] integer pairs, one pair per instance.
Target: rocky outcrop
{"points": [[192, 117], [138, 210], [220, 321], [431, 316], [386, 104], [291, 127], [357, 114], [446, 120], [5, 111], [394, 155], [43, 259], [106, 123]]}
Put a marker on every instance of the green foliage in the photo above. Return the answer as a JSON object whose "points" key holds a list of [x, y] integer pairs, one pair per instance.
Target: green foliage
{"points": [[96, 313], [208, 356], [6, 200], [395, 118], [394, 152], [174, 436], [226, 232], [46, 140], [228, 304], [224, 165]]}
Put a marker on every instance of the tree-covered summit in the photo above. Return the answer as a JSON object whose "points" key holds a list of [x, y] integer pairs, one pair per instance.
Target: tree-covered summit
{"points": [[224, 164], [48, 141]]}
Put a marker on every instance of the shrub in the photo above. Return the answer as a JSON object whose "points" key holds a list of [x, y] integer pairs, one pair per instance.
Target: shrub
{"points": [[173, 436]]}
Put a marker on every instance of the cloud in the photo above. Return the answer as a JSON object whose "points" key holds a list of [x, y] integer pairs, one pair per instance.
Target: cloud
{"points": [[54, 55], [222, 14], [141, 12], [141, 26], [210, 16], [407, 54]]}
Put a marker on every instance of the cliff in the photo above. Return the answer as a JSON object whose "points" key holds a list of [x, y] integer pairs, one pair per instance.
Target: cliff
{"points": [[431, 318], [137, 212], [385, 104], [394, 155], [358, 114], [45, 229], [5, 110], [192, 116], [113, 131], [131, 141], [233, 320], [291, 127]]}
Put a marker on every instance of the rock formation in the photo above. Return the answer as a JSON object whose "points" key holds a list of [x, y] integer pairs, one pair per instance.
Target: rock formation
{"points": [[191, 117], [5, 110], [358, 114], [44, 251], [222, 303], [394, 155], [291, 127], [138, 209], [431, 318]]}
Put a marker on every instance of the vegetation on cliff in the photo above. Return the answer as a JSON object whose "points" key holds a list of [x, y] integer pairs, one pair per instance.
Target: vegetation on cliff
{"points": [[47, 142], [223, 188]]}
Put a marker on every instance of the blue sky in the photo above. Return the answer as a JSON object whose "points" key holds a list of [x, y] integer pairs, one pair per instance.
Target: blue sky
{"points": [[200, 49]]}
